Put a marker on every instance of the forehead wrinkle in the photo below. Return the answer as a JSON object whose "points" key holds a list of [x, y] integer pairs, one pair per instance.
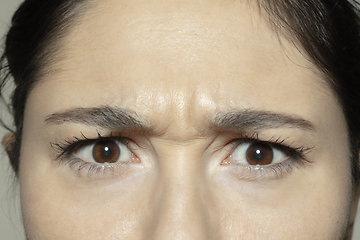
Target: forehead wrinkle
{"points": [[180, 117]]}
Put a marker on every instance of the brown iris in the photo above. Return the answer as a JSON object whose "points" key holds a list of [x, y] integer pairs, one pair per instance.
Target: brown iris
{"points": [[259, 154], [106, 151]]}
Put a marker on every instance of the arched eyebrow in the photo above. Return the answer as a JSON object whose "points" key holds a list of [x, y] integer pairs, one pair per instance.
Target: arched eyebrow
{"points": [[251, 120], [103, 117]]}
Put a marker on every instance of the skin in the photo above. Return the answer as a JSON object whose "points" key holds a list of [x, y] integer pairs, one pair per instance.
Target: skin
{"points": [[176, 66]]}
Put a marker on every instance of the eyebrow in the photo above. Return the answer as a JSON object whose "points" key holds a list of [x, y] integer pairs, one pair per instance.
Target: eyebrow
{"points": [[103, 117], [250, 120], [116, 118]]}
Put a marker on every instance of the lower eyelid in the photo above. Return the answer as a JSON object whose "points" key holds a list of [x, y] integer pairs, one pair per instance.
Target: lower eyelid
{"points": [[262, 173], [95, 170]]}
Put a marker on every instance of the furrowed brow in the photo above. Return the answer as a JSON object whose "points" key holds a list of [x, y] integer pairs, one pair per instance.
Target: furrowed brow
{"points": [[249, 120], [103, 117]]}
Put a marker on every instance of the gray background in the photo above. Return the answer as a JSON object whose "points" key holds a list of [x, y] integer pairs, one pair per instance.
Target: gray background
{"points": [[10, 220]]}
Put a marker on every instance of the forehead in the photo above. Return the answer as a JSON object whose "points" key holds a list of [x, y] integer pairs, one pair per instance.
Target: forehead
{"points": [[183, 58], [177, 36]]}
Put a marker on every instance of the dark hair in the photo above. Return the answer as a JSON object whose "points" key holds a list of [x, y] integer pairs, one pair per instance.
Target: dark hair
{"points": [[31, 43], [328, 31]]}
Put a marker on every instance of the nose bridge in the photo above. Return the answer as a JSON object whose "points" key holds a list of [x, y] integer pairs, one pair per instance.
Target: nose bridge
{"points": [[180, 211]]}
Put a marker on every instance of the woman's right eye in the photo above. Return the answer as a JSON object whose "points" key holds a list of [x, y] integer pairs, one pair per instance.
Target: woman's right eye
{"points": [[104, 151]]}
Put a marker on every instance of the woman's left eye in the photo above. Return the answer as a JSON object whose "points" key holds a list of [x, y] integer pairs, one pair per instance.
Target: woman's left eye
{"points": [[258, 153], [104, 151]]}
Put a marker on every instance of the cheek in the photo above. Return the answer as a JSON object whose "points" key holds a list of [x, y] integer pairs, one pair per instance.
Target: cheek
{"points": [[312, 203], [52, 210], [55, 206]]}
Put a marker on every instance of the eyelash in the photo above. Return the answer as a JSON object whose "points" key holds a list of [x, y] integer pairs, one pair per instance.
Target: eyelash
{"points": [[272, 171], [65, 149], [244, 172]]}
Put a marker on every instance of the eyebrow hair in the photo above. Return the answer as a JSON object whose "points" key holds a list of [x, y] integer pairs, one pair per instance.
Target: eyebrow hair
{"points": [[250, 120], [103, 117], [116, 118]]}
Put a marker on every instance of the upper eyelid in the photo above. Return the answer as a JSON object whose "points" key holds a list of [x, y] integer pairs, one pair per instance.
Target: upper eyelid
{"points": [[276, 142], [71, 144]]}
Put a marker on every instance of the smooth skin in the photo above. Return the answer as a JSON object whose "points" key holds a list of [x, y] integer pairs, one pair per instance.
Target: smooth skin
{"points": [[177, 66]]}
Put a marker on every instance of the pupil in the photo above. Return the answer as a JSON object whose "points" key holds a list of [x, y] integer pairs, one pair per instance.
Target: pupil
{"points": [[107, 152], [258, 154]]}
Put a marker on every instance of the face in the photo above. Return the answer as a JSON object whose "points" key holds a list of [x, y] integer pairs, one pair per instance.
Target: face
{"points": [[183, 120]]}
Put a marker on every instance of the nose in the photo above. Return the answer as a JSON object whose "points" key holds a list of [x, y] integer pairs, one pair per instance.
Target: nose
{"points": [[181, 210]]}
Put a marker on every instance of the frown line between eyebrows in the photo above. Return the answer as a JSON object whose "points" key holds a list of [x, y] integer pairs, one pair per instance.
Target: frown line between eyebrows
{"points": [[103, 117], [250, 120]]}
